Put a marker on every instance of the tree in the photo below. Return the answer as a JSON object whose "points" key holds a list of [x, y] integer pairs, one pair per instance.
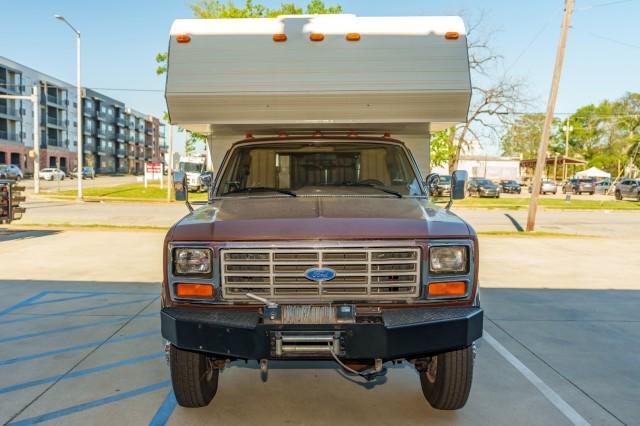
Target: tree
{"points": [[492, 102], [210, 9]]}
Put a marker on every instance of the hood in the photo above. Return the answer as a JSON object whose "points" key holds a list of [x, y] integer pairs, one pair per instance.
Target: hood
{"points": [[319, 218]]}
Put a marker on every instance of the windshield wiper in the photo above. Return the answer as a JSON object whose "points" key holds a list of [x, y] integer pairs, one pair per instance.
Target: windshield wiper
{"points": [[250, 189], [371, 185]]}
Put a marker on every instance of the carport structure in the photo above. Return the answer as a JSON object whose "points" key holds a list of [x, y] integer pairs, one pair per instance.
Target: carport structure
{"points": [[553, 163]]}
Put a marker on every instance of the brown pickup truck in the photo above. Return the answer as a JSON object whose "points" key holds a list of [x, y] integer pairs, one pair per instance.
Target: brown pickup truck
{"points": [[321, 247]]}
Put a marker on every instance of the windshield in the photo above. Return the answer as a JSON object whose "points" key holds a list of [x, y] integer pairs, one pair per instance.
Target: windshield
{"points": [[484, 182], [319, 169], [509, 182], [444, 179], [190, 167]]}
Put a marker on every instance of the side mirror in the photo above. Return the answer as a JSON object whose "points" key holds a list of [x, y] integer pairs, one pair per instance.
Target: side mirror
{"points": [[458, 184], [206, 179], [180, 186], [431, 181]]}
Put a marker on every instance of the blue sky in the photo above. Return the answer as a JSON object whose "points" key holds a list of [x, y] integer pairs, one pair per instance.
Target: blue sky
{"points": [[120, 40]]}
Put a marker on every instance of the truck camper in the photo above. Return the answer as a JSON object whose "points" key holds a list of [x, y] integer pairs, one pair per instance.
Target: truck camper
{"points": [[319, 240]]}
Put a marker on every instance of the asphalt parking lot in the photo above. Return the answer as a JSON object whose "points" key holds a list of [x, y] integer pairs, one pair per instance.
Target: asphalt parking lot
{"points": [[80, 344]]}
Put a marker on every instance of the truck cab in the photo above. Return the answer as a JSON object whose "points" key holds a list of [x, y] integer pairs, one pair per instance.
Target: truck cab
{"points": [[319, 240]]}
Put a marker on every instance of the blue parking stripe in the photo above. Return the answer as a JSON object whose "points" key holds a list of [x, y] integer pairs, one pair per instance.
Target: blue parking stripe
{"points": [[54, 352], [74, 311], [23, 303], [69, 328], [130, 293], [165, 410], [84, 372], [91, 404], [64, 299]]}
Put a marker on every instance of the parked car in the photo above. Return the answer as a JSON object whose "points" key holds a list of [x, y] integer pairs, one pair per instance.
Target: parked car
{"points": [[481, 187], [510, 186], [11, 171], [605, 187], [442, 188], [87, 173], [628, 188], [547, 187], [52, 173], [579, 186]]}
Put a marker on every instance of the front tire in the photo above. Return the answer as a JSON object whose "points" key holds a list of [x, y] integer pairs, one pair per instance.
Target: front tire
{"points": [[618, 195], [446, 381], [194, 378]]}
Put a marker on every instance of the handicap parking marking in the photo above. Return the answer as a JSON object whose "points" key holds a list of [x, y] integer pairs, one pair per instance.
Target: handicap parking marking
{"points": [[22, 304], [548, 393], [90, 404], [165, 410]]}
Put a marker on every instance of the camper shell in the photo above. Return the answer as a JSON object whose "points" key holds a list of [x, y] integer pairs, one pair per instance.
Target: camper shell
{"points": [[319, 239]]}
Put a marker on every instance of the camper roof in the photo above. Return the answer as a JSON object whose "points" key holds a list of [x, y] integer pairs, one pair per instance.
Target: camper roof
{"points": [[232, 75]]}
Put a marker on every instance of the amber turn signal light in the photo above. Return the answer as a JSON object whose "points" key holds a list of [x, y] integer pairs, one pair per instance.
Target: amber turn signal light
{"points": [[316, 37], [352, 36], [279, 38], [188, 290], [448, 289], [183, 38], [452, 35]]}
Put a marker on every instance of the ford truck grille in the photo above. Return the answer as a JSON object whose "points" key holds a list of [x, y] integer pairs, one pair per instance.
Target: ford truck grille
{"points": [[279, 274]]}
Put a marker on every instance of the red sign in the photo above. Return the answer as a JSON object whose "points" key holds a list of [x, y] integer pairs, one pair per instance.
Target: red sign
{"points": [[153, 168]]}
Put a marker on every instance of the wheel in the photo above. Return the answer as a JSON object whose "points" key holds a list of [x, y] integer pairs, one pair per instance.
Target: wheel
{"points": [[498, 196], [446, 380], [194, 379], [618, 195], [591, 193], [575, 191]]}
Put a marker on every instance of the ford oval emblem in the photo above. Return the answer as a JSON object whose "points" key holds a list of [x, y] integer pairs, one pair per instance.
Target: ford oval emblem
{"points": [[320, 274]]}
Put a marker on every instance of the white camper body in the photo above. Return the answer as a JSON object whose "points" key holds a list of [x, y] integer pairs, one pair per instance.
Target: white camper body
{"points": [[402, 76]]}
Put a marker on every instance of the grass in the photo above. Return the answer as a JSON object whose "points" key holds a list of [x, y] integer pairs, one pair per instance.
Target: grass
{"points": [[129, 192], [547, 203]]}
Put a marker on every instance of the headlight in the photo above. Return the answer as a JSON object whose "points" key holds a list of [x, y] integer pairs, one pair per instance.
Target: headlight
{"points": [[190, 261], [448, 259]]}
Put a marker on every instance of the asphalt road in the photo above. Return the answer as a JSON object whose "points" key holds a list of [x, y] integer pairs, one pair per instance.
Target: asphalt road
{"points": [[80, 344]]}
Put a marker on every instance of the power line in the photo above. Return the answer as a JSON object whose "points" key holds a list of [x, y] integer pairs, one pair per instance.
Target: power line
{"points": [[612, 40], [609, 3]]}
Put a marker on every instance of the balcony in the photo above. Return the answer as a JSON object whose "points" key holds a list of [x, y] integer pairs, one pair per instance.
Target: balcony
{"points": [[8, 87], [131, 138], [121, 152], [132, 125], [8, 136], [120, 121], [101, 115], [164, 149], [102, 132], [120, 137], [148, 130], [9, 111], [53, 121], [140, 138], [88, 146], [103, 149], [55, 100]]}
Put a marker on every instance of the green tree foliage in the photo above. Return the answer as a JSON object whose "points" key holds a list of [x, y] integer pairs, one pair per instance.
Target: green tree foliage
{"points": [[442, 147], [606, 135]]}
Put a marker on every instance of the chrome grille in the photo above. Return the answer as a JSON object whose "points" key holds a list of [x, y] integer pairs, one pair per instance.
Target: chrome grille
{"points": [[361, 273]]}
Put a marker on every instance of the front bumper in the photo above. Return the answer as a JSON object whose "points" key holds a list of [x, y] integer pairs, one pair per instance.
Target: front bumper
{"points": [[398, 333]]}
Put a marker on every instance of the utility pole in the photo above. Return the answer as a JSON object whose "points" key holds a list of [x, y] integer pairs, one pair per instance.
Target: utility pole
{"points": [[35, 101], [567, 129], [553, 95]]}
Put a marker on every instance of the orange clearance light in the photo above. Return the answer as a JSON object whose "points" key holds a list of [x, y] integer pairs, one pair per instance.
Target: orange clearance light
{"points": [[283, 135], [386, 135], [353, 134], [353, 37], [317, 134], [183, 38], [248, 136], [453, 288], [194, 290], [452, 35], [280, 37], [316, 37]]}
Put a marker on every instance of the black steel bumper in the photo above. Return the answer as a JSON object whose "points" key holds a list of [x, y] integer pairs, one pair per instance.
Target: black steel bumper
{"points": [[400, 333]]}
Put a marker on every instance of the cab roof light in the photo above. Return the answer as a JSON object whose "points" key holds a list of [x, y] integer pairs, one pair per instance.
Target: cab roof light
{"points": [[317, 134], [316, 36], [447, 289], [248, 136], [386, 135], [352, 37], [183, 38], [452, 35], [279, 37], [197, 291], [283, 135], [353, 134]]}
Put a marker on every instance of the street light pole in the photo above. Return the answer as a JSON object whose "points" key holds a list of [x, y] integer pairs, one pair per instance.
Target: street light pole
{"points": [[567, 128], [79, 104]]}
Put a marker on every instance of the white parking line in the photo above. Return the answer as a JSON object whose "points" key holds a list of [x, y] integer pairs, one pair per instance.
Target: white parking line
{"points": [[549, 393]]}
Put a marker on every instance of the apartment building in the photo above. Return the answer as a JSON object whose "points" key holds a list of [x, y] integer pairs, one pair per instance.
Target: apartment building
{"points": [[116, 139]]}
